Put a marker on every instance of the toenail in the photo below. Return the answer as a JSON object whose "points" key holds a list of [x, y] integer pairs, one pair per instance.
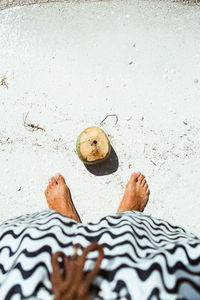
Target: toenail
{"points": [[137, 172], [57, 175]]}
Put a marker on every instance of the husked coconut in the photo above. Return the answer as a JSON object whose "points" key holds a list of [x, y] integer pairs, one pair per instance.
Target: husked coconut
{"points": [[93, 145]]}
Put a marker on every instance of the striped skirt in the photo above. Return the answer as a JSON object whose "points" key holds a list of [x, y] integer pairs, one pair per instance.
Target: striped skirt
{"points": [[144, 257]]}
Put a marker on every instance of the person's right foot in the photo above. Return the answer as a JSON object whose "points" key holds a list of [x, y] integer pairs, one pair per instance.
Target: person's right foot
{"points": [[136, 194]]}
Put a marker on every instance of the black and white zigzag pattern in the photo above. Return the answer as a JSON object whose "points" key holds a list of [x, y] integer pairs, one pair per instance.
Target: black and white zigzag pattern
{"points": [[145, 258]]}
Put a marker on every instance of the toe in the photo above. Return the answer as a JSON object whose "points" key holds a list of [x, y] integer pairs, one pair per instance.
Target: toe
{"points": [[59, 178], [144, 182], [146, 187], [140, 178], [134, 176], [50, 184], [52, 181]]}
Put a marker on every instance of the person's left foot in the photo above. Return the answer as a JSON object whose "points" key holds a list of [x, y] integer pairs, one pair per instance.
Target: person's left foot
{"points": [[59, 199]]}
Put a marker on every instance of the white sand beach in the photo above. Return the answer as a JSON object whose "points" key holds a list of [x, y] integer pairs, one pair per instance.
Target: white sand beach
{"points": [[67, 66]]}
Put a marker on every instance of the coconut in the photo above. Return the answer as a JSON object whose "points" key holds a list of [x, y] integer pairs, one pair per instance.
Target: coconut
{"points": [[93, 146]]}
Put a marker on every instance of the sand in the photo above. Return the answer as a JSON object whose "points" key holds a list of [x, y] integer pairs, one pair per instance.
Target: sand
{"points": [[68, 65]]}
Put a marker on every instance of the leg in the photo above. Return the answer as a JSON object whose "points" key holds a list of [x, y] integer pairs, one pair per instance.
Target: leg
{"points": [[59, 198], [136, 194]]}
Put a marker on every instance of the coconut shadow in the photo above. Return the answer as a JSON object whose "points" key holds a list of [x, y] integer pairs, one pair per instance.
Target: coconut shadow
{"points": [[107, 167]]}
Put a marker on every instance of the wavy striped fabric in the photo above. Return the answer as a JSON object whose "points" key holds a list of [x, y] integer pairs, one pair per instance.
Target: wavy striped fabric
{"points": [[145, 258]]}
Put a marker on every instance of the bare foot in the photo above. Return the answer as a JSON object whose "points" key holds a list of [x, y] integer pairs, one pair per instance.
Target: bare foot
{"points": [[136, 194], [59, 199]]}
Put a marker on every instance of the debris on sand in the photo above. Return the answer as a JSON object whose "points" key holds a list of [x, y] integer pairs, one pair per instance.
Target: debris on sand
{"points": [[30, 126], [112, 115], [3, 81]]}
